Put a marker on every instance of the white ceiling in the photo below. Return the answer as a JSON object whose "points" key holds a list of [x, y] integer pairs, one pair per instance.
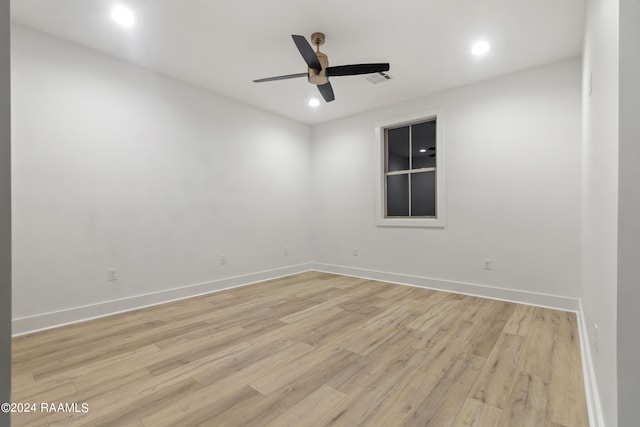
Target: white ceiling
{"points": [[223, 45]]}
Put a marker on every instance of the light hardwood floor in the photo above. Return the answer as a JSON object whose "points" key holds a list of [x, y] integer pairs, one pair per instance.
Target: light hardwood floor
{"points": [[310, 350]]}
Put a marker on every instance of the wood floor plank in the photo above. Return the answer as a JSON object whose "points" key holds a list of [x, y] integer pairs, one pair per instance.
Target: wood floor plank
{"points": [[203, 414], [331, 329], [278, 377], [353, 376], [406, 397], [363, 404], [434, 309], [132, 411], [440, 406], [444, 352], [494, 384], [253, 412], [231, 383], [313, 349], [565, 404], [526, 404], [364, 341], [296, 390], [489, 332], [311, 409], [538, 352], [477, 414], [519, 321]]}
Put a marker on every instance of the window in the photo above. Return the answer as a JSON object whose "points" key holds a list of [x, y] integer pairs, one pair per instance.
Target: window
{"points": [[412, 179]]}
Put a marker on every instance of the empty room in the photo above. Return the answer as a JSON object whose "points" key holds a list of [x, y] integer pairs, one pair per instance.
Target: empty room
{"points": [[349, 214]]}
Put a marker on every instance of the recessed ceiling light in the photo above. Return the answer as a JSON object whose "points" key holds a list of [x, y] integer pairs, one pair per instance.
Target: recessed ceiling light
{"points": [[314, 102], [480, 48], [123, 16], [423, 150]]}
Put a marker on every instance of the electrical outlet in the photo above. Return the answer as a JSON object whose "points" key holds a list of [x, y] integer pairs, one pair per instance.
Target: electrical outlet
{"points": [[488, 264], [355, 251], [112, 274], [223, 260], [286, 251]]}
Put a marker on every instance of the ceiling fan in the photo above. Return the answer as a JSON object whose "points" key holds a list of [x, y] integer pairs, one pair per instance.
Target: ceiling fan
{"points": [[319, 70]]}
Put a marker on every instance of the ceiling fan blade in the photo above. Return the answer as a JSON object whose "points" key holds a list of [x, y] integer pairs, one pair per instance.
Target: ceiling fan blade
{"points": [[288, 76], [306, 51], [355, 69], [326, 91]]}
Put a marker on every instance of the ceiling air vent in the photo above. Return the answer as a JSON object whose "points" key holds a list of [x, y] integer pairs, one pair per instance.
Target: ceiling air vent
{"points": [[378, 77]]}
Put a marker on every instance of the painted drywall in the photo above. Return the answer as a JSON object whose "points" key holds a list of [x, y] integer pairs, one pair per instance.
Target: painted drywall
{"points": [[512, 178], [116, 166], [5, 213], [600, 197], [628, 214]]}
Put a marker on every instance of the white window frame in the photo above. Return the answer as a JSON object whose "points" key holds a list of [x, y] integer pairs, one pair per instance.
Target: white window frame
{"points": [[440, 219]]}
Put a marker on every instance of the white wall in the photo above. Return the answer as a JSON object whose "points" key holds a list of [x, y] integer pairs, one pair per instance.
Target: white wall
{"points": [[117, 166], [513, 187], [628, 214], [5, 213], [600, 196]]}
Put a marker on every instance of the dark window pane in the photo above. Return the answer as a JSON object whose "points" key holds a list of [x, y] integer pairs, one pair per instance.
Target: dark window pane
{"points": [[398, 195], [423, 144], [398, 149], [423, 194]]}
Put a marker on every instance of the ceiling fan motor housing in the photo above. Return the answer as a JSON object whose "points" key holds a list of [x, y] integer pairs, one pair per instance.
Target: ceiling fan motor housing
{"points": [[319, 77]]}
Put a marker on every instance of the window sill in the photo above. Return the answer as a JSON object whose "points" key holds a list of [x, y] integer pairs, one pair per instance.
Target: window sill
{"points": [[411, 222]]}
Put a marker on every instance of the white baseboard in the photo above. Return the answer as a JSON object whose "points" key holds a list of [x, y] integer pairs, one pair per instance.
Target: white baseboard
{"points": [[503, 294], [26, 325], [594, 406], [29, 324]]}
